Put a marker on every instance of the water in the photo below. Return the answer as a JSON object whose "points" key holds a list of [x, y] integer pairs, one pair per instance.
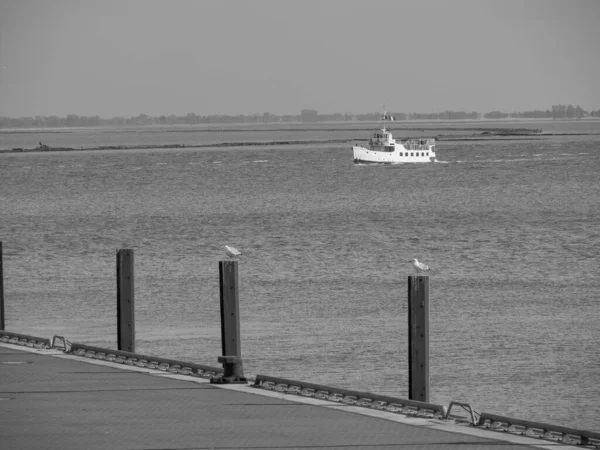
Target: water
{"points": [[510, 228]]}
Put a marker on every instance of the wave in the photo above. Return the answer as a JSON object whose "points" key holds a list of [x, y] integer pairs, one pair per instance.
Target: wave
{"points": [[560, 157]]}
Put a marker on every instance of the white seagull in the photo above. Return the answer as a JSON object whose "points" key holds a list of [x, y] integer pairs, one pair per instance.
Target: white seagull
{"points": [[232, 252], [421, 267]]}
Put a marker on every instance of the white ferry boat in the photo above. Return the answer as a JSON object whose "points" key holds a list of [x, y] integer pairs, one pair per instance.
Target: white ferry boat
{"points": [[384, 149]]}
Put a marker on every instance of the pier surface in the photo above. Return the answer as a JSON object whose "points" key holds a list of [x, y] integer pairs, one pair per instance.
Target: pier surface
{"points": [[53, 400]]}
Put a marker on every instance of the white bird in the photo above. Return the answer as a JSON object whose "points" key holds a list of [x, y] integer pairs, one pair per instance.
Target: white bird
{"points": [[232, 252], [421, 267]]}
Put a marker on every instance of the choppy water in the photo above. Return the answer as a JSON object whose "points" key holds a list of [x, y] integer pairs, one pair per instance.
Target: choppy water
{"points": [[511, 229]]}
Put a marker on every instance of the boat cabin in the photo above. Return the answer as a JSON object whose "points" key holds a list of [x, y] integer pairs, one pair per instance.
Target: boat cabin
{"points": [[382, 138]]}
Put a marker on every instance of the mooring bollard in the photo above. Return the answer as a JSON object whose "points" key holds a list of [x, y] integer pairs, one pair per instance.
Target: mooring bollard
{"points": [[1, 291], [418, 338], [125, 301], [230, 325]]}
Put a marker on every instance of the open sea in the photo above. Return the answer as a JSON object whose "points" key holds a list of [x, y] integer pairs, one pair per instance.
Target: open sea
{"points": [[511, 229]]}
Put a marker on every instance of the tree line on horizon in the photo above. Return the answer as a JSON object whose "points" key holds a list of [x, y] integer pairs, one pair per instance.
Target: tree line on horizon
{"points": [[305, 116]]}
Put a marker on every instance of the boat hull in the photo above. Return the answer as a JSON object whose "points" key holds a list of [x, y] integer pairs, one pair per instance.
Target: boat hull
{"points": [[364, 155]]}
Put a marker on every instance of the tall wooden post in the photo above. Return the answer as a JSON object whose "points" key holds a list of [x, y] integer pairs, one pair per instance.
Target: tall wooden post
{"points": [[1, 291], [230, 325], [418, 338], [125, 301]]}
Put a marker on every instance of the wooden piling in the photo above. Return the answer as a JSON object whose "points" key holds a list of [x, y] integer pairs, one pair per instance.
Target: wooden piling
{"points": [[125, 301], [230, 325], [418, 338], [1, 291]]}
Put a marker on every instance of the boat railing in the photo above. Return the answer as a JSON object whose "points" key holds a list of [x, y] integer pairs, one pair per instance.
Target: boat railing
{"points": [[419, 144], [421, 141]]}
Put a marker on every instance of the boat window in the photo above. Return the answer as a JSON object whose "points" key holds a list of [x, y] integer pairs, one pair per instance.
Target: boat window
{"points": [[412, 154]]}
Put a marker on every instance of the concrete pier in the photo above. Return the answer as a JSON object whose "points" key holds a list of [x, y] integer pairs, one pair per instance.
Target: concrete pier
{"points": [[53, 400]]}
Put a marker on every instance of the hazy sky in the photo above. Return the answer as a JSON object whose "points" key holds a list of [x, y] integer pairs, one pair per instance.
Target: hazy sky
{"points": [[126, 57]]}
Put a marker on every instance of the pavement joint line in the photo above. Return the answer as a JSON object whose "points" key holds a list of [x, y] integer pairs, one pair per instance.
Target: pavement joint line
{"points": [[98, 371], [82, 391], [385, 415]]}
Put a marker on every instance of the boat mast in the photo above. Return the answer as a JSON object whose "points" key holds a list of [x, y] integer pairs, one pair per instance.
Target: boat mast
{"points": [[385, 117]]}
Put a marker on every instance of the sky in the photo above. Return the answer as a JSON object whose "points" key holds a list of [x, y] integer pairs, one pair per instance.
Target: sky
{"points": [[157, 57]]}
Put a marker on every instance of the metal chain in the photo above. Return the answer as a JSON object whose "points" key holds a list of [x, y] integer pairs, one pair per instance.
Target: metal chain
{"points": [[32, 343], [156, 365], [535, 430], [339, 397]]}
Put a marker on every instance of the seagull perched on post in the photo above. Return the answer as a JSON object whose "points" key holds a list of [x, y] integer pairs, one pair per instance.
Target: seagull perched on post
{"points": [[232, 252], [421, 267]]}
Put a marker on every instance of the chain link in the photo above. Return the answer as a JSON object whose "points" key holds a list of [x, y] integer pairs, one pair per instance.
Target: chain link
{"points": [[335, 397], [280, 387], [349, 399], [378, 404], [366, 402], [294, 390], [174, 368], [185, 371], [307, 392], [322, 395]]}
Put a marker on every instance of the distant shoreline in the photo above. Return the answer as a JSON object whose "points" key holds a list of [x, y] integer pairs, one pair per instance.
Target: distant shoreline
{"points": [[559, 113], [483, 135], [355, 125], [46, 148]]}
